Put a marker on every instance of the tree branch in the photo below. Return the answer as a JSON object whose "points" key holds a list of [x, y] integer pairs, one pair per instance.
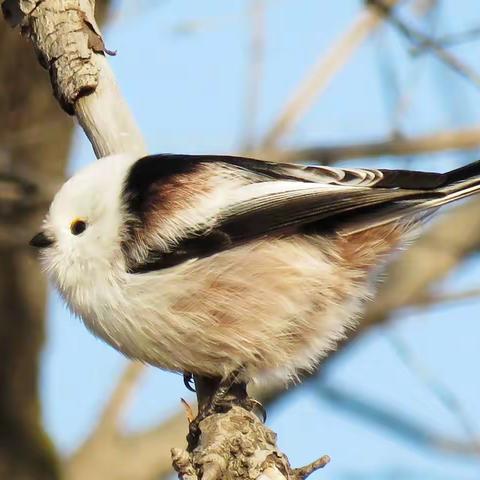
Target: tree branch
{"points": [[430, 299], [322, 73], [235, 445], [68, 43], [255, 69], [420, 39], [110, 417], [464, 139], [399, 425]]}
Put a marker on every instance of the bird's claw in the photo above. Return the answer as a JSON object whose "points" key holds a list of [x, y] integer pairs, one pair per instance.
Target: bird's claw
{"points": [[188, 382]]}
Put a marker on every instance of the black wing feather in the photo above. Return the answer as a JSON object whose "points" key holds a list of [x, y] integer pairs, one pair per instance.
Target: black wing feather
{"points": [[162, 167], [375, 193]]}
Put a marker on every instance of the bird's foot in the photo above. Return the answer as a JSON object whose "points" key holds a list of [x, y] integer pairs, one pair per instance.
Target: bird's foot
{"points": [[227, 393], [214, 404]]}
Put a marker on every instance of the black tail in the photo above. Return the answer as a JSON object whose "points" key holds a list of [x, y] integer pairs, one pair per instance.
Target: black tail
{"points": [[435, 190], [413, 180], [463, 173]]}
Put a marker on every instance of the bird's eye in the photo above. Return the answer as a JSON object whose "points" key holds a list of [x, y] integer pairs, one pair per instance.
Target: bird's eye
{"points": [[78, 226]]}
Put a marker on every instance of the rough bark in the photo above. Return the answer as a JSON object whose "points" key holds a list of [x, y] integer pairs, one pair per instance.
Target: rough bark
{"points": [[34, 142], [68, 43], [235, 445]]}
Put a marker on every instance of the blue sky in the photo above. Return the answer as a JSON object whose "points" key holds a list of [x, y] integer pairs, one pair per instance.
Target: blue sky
{"points": [[183, 67]]}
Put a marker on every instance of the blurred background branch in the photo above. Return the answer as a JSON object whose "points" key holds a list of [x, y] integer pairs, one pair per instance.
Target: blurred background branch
{"points": [[418, 38], [395, 423], [255, 72], [322, 73], [465, 139]]}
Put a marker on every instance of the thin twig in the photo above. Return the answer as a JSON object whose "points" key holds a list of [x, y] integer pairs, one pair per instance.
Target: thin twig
{"points": [[257, 48], [437, 299], [452, 39], [305, 472], [468, 138], [419, 38], [401, 426], [322, 73], [440, 390], [400, 94]]}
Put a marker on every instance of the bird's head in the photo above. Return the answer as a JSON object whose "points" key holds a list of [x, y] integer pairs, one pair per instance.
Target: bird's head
{"points": [[80, 239]]}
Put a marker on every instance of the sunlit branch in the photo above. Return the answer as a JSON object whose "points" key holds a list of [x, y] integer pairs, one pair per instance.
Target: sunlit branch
{"points": [[465, 139]]}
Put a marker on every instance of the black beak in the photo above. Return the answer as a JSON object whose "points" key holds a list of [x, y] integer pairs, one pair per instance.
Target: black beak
{"points": [[40, 240]]}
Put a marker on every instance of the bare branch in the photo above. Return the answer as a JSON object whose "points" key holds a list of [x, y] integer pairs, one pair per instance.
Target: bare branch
{"points": [[436, 299], [305, 472], [257, 47], [397, 424], [106, 442], [468, 138], [440, 390], [69, 44], [450, 40], [322, 73], [419, 38], [233, 445]]}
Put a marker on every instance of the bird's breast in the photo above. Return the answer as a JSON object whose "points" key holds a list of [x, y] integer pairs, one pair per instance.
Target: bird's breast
{"points": [[270, 304]]}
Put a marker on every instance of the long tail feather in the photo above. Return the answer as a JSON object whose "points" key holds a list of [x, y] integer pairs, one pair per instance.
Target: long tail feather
{"points": [[464, 173], [455, 185]]}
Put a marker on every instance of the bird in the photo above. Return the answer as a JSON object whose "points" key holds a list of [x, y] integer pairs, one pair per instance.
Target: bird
{"points": [[214, 264]]}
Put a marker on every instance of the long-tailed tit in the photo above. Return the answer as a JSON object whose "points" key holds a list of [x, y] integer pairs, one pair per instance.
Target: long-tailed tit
{"points": [[208, 264]]}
